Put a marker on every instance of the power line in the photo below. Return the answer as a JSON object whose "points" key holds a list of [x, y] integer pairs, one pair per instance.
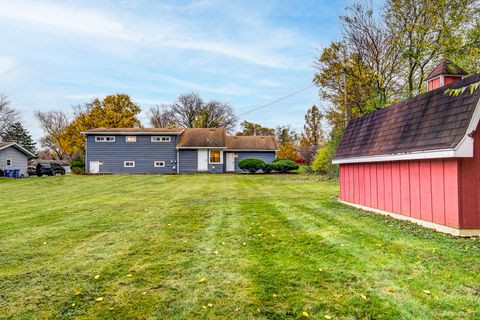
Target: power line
{"points": [[275, 101]]}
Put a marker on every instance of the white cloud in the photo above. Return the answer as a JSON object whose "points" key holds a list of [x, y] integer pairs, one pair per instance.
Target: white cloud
{"points": [[165, 32], [6, 64]]}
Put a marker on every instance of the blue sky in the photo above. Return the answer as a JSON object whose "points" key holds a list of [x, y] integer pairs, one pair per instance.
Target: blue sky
{"points": [[55, 54]]}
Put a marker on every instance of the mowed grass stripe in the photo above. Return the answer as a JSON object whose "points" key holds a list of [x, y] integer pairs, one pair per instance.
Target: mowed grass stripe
{"points": [[164, 232]]}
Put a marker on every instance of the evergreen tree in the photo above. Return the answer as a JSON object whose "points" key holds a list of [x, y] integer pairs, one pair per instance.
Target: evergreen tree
{"points": [[17, 133]]}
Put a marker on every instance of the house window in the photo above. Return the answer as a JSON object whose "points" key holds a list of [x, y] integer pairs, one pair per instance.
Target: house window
{"points": [[104, 139], [161, 139], [215, 156], [130, 139], [129, 164], [9, 162], [159, 164]]}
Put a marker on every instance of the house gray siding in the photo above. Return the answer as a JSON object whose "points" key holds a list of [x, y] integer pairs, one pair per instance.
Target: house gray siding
{"points": [[19, 160], [143, 152], [188, 160], [267, 156]]}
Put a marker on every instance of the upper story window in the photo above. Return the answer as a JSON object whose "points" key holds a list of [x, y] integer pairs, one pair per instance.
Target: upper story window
{"points": [[129, 164], [9, 162], [161, 139], [130, 139], [105, 139], [215, 156]]}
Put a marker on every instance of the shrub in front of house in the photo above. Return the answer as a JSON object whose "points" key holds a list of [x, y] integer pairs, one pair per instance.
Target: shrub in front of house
{"points": [[78, 170], [284, 166], [267, 168], [251, 165]]}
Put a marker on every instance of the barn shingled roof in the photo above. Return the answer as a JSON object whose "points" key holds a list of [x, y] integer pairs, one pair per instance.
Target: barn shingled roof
{"points": [[430, 121]]}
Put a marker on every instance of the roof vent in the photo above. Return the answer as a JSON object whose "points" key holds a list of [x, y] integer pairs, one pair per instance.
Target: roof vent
{"points": [[445, 72]]}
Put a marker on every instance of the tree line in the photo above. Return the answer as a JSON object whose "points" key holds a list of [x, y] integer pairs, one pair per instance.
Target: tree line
{"points": [[63, 139], [384, 56]]}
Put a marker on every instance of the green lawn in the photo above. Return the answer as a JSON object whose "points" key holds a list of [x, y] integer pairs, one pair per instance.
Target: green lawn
{"points": [[268, 247]]}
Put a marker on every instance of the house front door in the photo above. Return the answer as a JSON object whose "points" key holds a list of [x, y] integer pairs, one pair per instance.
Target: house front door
{"points": [[202, 162], [94, 167], [230, 165]]}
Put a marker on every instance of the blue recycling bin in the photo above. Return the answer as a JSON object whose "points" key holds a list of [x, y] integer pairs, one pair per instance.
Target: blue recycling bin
{"points": [[8, 173], [16, 173]]}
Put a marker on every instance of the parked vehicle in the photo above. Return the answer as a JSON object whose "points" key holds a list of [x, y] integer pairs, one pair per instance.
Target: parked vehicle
{"points": [[49, 169], [31, 171]]}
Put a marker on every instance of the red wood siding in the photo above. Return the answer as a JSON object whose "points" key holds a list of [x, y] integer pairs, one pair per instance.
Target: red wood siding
{"points": [[423, 189], [470, 186]]}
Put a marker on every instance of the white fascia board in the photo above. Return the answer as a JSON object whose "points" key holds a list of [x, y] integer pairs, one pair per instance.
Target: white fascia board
{"points": [[213, 148], [131, 133], [464, 148], [253, 150], [20, 148]]}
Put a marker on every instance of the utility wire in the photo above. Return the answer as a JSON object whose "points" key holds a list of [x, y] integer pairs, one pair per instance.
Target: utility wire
{"points": [[275, 101]]}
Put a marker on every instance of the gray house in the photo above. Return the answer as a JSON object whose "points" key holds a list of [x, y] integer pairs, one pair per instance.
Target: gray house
{"points": [[172, 150], [14, 157]]}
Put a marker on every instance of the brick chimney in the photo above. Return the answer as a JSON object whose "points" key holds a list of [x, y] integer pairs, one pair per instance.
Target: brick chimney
{"points": [[445, 72]]}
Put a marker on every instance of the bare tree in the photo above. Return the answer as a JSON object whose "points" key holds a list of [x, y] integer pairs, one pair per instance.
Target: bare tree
{"points": [[216, 114], [53, 123], [187, 108], [190, 111], [162, 117], [8, 116]]}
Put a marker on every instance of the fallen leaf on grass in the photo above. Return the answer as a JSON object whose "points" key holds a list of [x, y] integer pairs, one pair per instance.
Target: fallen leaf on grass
{"points": [[320, 269], [364, 297], [327, 316], [129, 275], [210, 305], [77, 292], [470, 310], [244, 243], [73, 304], [390, 289], [44, 243], [305, 314], [216, 252], [426, 291], [99, 299], [202, 280], [97, 277]]}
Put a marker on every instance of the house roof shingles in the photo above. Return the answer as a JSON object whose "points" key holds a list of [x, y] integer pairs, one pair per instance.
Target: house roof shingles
{"points": [[430, 121], [202, 138], [252, 143], [4, 145]]}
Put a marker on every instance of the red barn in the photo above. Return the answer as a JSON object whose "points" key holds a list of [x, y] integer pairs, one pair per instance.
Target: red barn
{"points": [[419, 159]]}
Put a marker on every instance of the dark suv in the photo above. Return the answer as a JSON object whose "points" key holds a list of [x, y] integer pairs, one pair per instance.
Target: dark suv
{"points": [[49, 169]]}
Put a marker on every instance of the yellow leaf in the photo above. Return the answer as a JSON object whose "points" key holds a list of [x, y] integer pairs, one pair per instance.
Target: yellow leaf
{"points": [[204, 307], [129, 275], [327, 316], [99, 299], [44, 243], [390, 289], [305, 314], [97, 277], [274, 295], [426, 291], [244, 243], [210, 305], [320, 269], [77, 292], [216, 252], [470, 310], [202, 280], [73, 304], [364, 297]]}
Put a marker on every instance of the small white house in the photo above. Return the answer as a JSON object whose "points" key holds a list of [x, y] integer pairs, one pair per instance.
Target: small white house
{"points": [[13, 156]]}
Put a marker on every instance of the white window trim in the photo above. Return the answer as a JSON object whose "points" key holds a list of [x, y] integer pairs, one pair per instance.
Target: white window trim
{"points": [[104, 138], [159, 164], [125, 164], [161, 139], [221, 156], [11, 162], [134, 139]]}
